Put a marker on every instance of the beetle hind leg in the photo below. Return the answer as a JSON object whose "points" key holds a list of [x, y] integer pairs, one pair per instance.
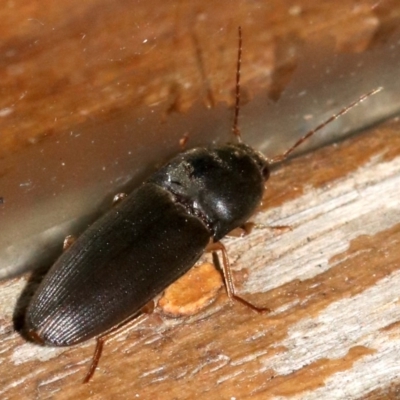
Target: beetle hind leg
{"points": [[100, 341], [95, 359]]}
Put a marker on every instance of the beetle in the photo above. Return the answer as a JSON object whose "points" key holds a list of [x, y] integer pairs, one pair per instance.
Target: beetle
{"points": [[151, 238]]}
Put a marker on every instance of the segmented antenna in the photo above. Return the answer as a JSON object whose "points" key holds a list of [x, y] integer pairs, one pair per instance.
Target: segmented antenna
{"points": [[286, 154], [235, 127]]}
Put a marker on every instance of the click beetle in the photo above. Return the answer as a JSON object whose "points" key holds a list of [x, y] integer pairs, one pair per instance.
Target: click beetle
{"points": [[151, 238]]}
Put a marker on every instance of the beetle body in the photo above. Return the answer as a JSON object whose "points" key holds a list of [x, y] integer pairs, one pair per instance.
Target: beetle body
{"points": [[146, 242], [152, 238]]}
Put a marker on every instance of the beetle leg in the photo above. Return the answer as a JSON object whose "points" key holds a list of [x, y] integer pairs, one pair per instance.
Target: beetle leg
{"points": [[242, 230], [68, 241], [183, 141], [248, 227], [118, 198], [228, 278], [95, 359], [278, 229], [146, 310]]}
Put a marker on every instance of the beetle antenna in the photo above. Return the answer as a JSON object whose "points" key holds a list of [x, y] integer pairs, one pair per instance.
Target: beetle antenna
{"points": [[235, 127], [286, 154]]}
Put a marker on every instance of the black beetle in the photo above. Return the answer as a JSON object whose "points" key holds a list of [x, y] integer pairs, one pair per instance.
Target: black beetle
{"points": [[150, 239]]}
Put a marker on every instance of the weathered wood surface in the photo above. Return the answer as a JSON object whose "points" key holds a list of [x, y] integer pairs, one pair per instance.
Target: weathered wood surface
{"points": [[332, 283]]}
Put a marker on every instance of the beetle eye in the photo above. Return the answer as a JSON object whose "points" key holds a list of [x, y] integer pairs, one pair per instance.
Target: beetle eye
{"points": [[265, 172]]}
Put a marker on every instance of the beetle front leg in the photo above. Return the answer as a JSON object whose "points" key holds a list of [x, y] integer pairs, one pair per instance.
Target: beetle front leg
{"points": [[228, 278]]}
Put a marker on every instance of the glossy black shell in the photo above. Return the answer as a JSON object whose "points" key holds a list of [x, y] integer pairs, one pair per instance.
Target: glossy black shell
{"points": [[145, 243], [221, 185]]}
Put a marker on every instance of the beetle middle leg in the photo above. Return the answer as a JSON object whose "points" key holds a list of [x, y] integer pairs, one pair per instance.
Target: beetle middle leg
{"points": [[276, 229], [248, 227], [228, 278]]}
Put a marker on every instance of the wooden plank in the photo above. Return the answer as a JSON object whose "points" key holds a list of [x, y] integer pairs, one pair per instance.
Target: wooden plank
{"points": [[331, 282]]}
